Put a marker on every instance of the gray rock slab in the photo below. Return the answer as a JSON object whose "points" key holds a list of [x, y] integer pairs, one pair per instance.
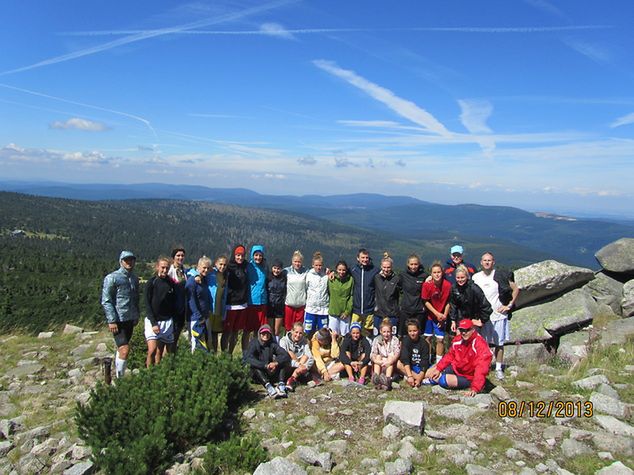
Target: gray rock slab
{"points": [[591, 382], [72, 329], [408, 451], [606, 290], [616, 332], [310, 456], [617, 256], [572, 448], [398, 467], [279, 466], [336, 447], [613, 425], [391, 432], [310, 421], [573, 347], [563, 315], [45, 335], [617, 468], [5, 447], [457, 411], [607, 405], [613, 443], [409, 416], [500, 394], [548, 278], [627, 302], [520, 354], [477, 470], [24, 370], [608, 391]]}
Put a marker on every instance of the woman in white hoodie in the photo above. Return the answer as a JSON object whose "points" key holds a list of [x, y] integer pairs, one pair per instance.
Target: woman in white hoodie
{"points": [[317, 297], [295, 301]]}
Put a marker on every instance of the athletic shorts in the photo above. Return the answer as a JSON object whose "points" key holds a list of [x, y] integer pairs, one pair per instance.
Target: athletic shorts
{"points": [[256, 317], [497, 333], [339, 325], [293, 315], [165, 334], [215, 323], [437, 329], [463, 383], [123, 336], [275, 311], [313, 322], [236, 320], [416, 368]]}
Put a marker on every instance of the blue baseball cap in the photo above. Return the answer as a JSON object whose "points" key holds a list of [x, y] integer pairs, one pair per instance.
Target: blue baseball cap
{"points": [[456, 250]]}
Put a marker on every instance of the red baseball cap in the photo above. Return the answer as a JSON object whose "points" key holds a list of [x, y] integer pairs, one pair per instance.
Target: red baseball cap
{"points": [[465, 324]]}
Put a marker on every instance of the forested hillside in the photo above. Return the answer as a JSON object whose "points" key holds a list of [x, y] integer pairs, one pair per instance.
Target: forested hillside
{"points": [[53, 273]]}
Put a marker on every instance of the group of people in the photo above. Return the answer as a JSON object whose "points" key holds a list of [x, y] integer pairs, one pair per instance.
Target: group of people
{"points": [[329, 316]]}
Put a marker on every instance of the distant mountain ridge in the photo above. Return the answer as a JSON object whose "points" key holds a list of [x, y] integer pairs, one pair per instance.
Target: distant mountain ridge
{"points": [[570, 240]]}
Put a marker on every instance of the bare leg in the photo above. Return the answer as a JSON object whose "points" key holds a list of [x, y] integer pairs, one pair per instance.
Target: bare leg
{"points": [[151, 350]]}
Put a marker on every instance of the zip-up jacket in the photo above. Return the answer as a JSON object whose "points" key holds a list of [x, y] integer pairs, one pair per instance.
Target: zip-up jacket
{"points": [[299, 349], [323, 356], [237, 282], [468, 301], [257, 279], [363, 294], [470, 358], [450, 270], [198, 298], [258, 354], [386, 291], [161, 299], [120, 296], [340, 296], [359, 350], [295, 287], [276, 288], [411, 285], [317, 298]]}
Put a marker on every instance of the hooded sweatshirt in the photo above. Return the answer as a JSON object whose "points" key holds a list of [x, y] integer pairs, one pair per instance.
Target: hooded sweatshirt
{"points": [[298, 348], [120, 296], [237, 281], [257, 278], [411, 285], [259, 354], [340, 296], [317, 298], [363, 294]]}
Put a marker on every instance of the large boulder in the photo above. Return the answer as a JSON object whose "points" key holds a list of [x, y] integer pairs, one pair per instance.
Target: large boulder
{"points": [[279, 466], [617, 256], [541, 322], [573, 346], [606, 290], [520, 354], [548, 278], [616, 332], [409, 416], [627, 302]]}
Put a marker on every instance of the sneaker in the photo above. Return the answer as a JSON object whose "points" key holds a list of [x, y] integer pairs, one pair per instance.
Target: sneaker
{"points": [[291, 384], [281, 390], [382, 381], [499, 374], [336, 377], [388, 384], [361, 380], [428, 382], [271, 391], [351, 379], [375, 379]]}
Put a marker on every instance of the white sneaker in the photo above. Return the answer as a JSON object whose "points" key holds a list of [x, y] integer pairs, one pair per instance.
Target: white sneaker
{"points": [[499, 374], [281, 390]]}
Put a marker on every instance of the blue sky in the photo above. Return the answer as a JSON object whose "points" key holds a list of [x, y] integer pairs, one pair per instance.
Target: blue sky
{"points": [[521, 102]]}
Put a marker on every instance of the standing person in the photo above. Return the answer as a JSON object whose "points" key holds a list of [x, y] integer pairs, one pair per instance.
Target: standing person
{"points": [[355, 354], [217, 282], [276, 288], [269, 363], [467, 301], [340, 290], [120, 302], [467, 363], [363, 291], [161, 303], [414, 359], [302, 361], [237, 301], [384, 354], [317, 298], [456, 255], [258, 295], [435, 293], [295, 302], [199, 302], [387, 291], [178, 274], [501, 291], [411, 283]]}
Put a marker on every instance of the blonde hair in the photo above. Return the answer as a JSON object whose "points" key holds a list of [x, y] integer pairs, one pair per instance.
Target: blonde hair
{"points": [[463, 268], [413, 256], [387, 258], [436, 263], [317, 257], [386, 323], [204, 261], [299, 255]]}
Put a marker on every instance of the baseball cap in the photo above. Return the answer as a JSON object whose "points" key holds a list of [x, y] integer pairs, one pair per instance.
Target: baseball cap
{"points": [[456, 250], [465, 324], [266, 328], [126, 254]]}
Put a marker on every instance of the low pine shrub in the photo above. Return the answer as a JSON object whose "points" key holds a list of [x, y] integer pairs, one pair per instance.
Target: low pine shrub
{"points": [[137, 425], [237, 455]]}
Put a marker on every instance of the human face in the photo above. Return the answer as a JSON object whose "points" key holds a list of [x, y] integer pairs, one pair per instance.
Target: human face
{"points": [[239, 258], [297, 263], [276, 270], [386, 268], [203, 270], [221, 265], [466, 334], [456, 258], [355, 334], [258, 257], [436, 274], [413, 332], [363, 258], [265, 336], [318, 266], [386, 332], [487, 262], [297, 334], [341, 271], [179, 258], [128, 263], [461, 278], [413, 264], [161, 269]]}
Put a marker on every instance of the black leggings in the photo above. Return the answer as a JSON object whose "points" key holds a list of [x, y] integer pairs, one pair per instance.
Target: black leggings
{"points": [[263, 377]]}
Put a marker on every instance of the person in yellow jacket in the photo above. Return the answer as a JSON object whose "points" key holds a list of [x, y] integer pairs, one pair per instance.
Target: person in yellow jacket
{"points": [[325, 350]]}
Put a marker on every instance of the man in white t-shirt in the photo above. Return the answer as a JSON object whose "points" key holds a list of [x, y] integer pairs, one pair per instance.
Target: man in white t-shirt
{"points": [[501, 291]]}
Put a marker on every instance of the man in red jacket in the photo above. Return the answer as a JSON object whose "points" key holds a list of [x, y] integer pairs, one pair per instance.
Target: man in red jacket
{"points": [[467, 363]]}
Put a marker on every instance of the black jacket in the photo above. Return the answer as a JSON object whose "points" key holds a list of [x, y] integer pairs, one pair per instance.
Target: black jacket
{"points": [[411, 285], [276, 287], [356, 350], [363, 290], [238, 290], [161, 299], [468, 301], [386, 291], [259, 355]]}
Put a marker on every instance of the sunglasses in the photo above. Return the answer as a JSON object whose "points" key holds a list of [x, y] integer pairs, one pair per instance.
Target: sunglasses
{"points": [[464, 330]]}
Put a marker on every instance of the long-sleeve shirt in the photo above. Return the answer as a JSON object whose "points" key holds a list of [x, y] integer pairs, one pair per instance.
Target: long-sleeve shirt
{"points": [[355, 350], [323, 356], [161, 299], [386, 349], [120, 296]]}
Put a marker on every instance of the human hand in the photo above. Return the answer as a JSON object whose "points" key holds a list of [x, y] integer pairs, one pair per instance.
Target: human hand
{"points": [[470, 393], [114, 328], [156, 329]]}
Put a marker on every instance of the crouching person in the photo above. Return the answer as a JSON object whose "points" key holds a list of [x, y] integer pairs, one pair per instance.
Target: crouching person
{"points": [[270, 363], [355, 354], [467, 363], [296, 344]]}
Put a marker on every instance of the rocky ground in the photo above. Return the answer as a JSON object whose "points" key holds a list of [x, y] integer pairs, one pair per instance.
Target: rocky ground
{"points": [[346, 428]]}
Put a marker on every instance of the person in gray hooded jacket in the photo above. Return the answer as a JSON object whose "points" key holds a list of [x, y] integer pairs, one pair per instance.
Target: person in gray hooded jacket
{"points": [[120, 301]]}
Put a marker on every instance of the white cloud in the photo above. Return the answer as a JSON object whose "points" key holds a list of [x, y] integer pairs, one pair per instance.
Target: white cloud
{"points": [[404, 181], [402, 107], [623, 120], [594, 52], [80, 124], [277, 30], [475, 114], [14, 153]]}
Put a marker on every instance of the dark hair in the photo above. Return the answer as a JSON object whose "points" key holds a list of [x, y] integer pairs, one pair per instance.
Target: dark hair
{"points": [[412, 322], [176, 250], [363, 250], [343, 263], [324, 337]]}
